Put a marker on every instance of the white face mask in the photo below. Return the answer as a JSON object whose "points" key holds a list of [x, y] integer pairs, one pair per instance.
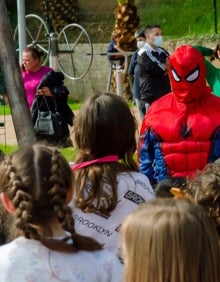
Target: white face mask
{"points": [[158, 40], [140, 44]]}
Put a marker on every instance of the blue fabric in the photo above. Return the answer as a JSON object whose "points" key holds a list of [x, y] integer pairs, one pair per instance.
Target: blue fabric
{"points": [[134, 70], [215, 149], [149, 152]]}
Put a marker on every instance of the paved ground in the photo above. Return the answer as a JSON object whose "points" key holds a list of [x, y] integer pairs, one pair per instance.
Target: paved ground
{"points": [[7, 132]]}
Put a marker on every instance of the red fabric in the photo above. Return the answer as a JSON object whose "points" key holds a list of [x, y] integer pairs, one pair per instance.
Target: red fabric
{"points": [[185, 120], [186, 61]]}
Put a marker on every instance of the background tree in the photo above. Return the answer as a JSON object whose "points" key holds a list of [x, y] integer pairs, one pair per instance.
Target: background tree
{"points": [[126, 22], [60, 12], [14, 83]]}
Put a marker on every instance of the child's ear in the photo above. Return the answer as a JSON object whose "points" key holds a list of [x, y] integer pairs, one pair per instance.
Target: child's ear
{"points": [[7, 203]]}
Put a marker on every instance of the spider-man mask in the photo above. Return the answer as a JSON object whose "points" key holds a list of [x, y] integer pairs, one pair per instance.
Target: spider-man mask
{"points": [[187, 74]]}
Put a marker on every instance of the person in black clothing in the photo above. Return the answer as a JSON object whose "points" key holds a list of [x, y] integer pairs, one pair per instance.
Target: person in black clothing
{"points": [[56, 94], [152, 62], [133, 69]]}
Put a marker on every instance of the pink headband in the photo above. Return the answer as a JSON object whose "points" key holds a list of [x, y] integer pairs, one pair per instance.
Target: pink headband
{"points": [[96, 161]]}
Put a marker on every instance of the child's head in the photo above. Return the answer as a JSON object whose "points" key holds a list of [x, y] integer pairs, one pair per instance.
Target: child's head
{"points": [[162, 189], [36, 186], [37, 181], [169, 240], [205, 190], [105, 126]]}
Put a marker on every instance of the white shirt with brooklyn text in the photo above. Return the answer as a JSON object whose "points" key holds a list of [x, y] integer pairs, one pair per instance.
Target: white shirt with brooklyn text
{"points": [[133, 188]]}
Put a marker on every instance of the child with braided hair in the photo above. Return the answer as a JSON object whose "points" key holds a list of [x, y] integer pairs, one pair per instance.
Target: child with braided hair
{"points": [[108, 185], [36, 187]]}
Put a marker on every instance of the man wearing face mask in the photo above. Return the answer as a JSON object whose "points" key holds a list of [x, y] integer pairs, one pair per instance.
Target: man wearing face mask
{"points": [[133, 69], [152, 62]]}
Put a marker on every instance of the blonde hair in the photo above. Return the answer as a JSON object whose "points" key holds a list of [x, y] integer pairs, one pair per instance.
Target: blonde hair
{"points": [[170, 240]]}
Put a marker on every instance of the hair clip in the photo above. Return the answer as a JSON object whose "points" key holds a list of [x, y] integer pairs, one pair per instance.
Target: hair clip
{"points": [[178, 193]]}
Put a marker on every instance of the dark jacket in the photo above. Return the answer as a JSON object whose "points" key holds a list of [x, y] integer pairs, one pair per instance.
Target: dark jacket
{"points": [[134, 70], [54, 80], [154, 82]]}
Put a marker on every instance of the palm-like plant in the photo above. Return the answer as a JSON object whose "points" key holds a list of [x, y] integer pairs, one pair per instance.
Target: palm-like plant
{"points": [[60, 12], [126, 22]]}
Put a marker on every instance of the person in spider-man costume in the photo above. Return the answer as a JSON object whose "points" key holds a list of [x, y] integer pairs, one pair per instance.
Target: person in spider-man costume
{"points": [[180, 133]]}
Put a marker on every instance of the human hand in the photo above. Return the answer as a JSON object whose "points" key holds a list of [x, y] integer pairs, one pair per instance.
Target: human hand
{"points": [[22, 67], [44, 91]]}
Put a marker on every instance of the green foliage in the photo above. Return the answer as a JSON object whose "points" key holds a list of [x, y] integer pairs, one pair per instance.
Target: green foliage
{"points": [[180, 18], [189, 18]]}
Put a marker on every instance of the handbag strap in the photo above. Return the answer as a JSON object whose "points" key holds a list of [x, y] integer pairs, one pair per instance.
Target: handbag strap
{"points": [[45, 100]]}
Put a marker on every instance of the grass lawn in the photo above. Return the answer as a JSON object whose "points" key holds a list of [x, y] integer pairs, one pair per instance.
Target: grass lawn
{"points": [[5, 109], [68, 153]]}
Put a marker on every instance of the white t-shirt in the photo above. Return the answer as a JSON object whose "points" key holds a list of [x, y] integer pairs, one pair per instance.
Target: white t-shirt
{"points": [[134, 188], [27, 260]]}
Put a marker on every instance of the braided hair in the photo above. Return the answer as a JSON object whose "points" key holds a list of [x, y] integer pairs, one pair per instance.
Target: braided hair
{"points": [[37, 180]]}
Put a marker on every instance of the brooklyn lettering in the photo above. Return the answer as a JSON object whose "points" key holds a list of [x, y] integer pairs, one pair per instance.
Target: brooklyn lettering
{"points": [[92, 225], [134, 197]]}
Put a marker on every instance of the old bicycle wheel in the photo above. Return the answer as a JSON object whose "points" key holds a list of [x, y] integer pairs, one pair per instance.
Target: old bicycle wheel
{"points": [[75, 51], [37, 34]]}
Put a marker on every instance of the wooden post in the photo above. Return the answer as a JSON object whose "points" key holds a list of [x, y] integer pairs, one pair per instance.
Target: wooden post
{"points": [[14, 83]]}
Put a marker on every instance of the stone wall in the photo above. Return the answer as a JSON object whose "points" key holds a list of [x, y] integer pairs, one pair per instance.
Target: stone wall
{"points": [[97, 77], [95, 80]]}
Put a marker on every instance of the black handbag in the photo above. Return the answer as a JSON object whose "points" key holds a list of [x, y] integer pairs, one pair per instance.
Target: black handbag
{"points": [[48, 122]]}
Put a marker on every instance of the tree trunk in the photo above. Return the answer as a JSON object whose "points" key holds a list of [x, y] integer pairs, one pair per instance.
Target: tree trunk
{"points": [[14, 83]]}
